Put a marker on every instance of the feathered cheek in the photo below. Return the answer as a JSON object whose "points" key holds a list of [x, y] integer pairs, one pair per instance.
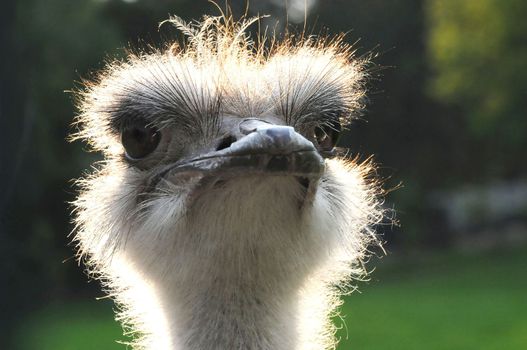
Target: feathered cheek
{"points": [[342, 190], [163, 213]]}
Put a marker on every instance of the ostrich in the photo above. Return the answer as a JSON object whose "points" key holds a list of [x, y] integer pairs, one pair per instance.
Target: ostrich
{"points": [[221, 217]]}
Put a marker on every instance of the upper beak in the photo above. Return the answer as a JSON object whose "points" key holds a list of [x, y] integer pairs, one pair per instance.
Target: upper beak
{"points": [[260, 148]]}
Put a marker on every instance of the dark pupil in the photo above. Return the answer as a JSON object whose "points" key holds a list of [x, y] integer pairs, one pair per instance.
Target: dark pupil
{"points": [[139, 140], [328, 135]]}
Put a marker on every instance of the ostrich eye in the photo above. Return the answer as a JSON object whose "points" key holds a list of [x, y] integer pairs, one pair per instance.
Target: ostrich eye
{"points": [[327, 135], [139, 139]]}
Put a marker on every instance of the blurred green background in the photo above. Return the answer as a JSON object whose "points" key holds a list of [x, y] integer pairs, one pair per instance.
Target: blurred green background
{"points": [[447, 118]]}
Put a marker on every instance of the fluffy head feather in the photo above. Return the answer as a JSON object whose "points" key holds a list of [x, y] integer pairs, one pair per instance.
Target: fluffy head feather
{"points": [[244, 264]]}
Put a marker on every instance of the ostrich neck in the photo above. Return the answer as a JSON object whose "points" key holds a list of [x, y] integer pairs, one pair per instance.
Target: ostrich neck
{"points": [[234, 319], [251, 277], [236, 298]]}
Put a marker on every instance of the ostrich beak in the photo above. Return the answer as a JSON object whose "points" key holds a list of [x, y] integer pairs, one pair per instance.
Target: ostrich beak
{"points": [[262, 149], [277, 150]]}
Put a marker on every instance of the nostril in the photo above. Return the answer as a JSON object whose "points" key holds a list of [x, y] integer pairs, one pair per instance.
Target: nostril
{"points": [[226, 142]]}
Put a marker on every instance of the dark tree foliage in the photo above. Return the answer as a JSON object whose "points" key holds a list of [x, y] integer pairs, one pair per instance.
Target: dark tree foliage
{"points": [[478, 54]]}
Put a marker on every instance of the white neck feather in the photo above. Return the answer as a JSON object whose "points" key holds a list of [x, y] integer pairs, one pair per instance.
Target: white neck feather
{"points": [[255, 275]]}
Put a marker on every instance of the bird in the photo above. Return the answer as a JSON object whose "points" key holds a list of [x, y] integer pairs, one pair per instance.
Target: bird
{"points": [[223, 215]]}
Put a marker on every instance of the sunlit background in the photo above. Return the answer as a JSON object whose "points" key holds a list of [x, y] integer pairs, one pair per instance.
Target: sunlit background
{"points": [[447, 119]]}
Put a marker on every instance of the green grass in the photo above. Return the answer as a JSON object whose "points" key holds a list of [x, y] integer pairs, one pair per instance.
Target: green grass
{"points": [[442, 302], [71, 326]]}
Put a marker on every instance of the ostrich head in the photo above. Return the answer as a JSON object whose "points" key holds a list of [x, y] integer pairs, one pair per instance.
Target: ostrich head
{"points": [[221, 217]]}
